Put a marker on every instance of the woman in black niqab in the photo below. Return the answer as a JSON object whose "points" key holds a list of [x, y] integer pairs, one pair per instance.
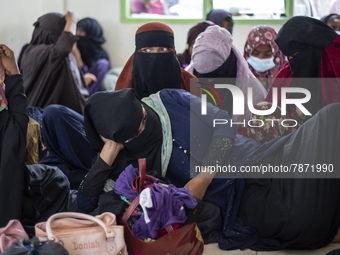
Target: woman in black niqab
{"points": [[120, 124]]}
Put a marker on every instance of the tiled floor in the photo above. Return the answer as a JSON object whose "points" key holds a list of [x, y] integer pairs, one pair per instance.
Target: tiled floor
{"points": [[212, 249]]}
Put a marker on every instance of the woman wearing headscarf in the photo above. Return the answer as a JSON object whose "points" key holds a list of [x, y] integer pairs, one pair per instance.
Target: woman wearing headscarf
{"points": [[93, 59], [50, 72], [215, 56], [185, 57], [154, 65], [263, 55], [221, 18], [332, 20], [27, 193], [171, 133], [309, 58], [13, 127]]}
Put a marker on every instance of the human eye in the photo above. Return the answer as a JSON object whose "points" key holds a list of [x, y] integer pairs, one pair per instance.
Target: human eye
{"points": [[164, 49], [145, 50], [255, 53], [268, 54]]}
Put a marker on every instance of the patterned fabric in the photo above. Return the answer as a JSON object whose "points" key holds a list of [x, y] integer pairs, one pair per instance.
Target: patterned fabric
{"points": [[3, 100], [264, 35], [268, 127]]}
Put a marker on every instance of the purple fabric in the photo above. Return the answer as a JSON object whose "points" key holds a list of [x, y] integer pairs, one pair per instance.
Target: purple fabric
{"points": [[99, 69], [124, 182], [167, 208], [168, 204]]}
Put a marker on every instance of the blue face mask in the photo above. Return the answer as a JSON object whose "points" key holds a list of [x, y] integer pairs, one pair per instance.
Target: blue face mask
{"points": [[338, 32], [261, 65]]}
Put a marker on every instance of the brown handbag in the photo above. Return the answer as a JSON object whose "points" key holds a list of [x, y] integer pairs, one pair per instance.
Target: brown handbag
{"points": [[186, 240]]}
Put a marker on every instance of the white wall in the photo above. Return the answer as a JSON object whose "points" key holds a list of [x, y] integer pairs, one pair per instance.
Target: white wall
{"points": [[17, 18]]}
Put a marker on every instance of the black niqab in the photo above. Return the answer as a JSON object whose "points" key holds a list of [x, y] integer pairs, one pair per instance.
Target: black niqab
{"points": [[90, 44], [117, 116], [155, 71], [307, 37]]}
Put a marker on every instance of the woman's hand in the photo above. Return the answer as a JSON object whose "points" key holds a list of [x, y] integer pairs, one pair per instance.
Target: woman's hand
{"points": [[71, 22], [110, 150], [89, 78], [8, 60]]}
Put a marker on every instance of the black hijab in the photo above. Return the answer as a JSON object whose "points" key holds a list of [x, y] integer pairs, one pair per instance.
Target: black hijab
{"points": [[117, 116], [90, 45], [308, 37], [155, 71]]}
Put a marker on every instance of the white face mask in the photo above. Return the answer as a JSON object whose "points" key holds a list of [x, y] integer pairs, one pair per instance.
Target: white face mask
{"points": [[338, 32], [261, 64]]}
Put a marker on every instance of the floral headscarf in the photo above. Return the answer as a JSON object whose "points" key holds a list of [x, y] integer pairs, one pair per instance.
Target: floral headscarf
{"points": [[3, 100], [264, 35]]}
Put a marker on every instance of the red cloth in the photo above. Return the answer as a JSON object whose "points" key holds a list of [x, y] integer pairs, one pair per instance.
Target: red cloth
{"points": [[330, 68]]}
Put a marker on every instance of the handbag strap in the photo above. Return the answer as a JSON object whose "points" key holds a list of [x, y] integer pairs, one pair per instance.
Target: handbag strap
{"points": [[138, 184], [108, 232], [130, 209], [142, 181]]}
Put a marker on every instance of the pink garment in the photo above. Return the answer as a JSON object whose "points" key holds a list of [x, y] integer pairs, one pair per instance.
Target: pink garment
{"points": [[155, 7], [11, 233], [264, 35], [3, 100], [211, 49]]}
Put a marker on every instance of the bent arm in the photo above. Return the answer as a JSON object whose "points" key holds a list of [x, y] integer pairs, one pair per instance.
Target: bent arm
{"points": [[66, 40], [93, 184]]}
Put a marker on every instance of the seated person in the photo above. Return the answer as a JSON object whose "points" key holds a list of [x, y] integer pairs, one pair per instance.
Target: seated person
{"points": [[222, 18], [154, 65], [185, 57], [311, 60], [50, 72], [13, 121], [31, 193], [215, 56], [91, 57], [263, 55], [332, 20], [270, 213], [312, 64]]}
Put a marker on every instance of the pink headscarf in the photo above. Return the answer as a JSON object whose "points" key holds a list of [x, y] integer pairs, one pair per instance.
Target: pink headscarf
{"points": [[264, 35], [211, 49], [3, 100]]}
